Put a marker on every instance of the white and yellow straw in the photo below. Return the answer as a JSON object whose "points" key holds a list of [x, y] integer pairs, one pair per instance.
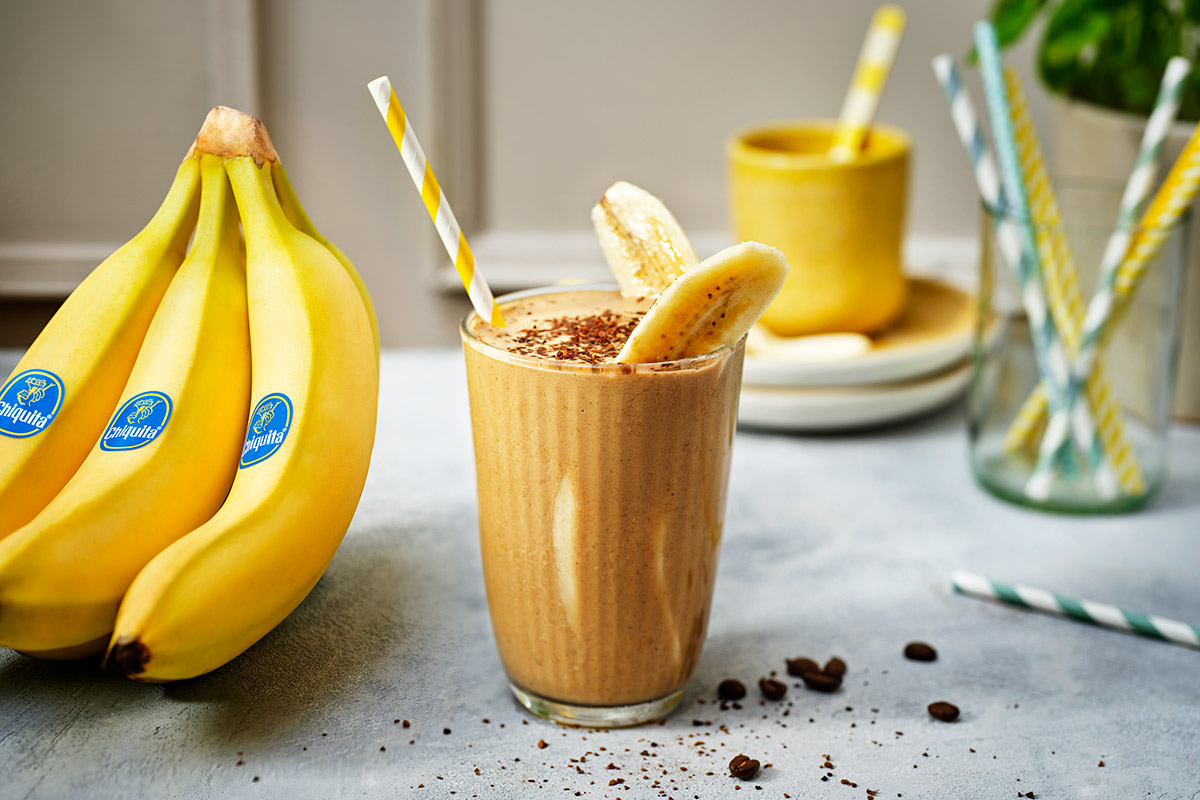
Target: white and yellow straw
{"points": [[1066, 303], [435, 202], [874, 63]]}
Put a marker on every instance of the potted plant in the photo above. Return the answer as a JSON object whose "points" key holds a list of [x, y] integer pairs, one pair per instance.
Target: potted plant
{"points": [[1102, 61]]}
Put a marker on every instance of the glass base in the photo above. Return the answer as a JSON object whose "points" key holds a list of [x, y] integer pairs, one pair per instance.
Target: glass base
{"points": [[596, 716], [1005, 477]]}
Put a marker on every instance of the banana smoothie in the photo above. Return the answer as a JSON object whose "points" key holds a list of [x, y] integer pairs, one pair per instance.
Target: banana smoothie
{"points": [[601, 501], [603, 421]]}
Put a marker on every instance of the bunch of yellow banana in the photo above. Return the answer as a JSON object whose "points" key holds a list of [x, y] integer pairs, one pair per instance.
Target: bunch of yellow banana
{"points": [[194, 519]]}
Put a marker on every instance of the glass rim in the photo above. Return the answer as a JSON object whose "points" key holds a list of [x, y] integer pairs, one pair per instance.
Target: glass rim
{"points": [[612, 367], [1094, 185]]}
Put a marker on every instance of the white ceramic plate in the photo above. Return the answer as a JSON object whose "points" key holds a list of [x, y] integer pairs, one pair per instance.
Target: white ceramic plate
{"points": [[847, 408], [933, 333]]}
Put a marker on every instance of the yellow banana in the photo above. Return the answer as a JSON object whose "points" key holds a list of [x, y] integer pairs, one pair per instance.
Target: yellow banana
{"points": [[714, 303], [643, 244], [300, 220], [57, 400], [163, 465], [216, 591]]}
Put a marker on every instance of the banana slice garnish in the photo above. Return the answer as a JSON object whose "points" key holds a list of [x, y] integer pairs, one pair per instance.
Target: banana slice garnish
{"points": [[643, 244], [712, 304]]}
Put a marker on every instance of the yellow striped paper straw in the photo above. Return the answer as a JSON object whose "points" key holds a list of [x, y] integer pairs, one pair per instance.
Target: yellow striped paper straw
{"points": [[874, 63], [1066, 303], [1172, 199], [435, 202]]}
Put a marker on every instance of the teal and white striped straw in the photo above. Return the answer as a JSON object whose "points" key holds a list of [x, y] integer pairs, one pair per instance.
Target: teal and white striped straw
{"points": [[1051, 355], [966, 123], [1100, 307], [970, 135], [1109, 616]]}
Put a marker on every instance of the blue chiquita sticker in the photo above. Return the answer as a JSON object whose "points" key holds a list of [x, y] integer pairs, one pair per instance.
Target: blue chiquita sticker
{"points": [[269, 426], [138, 422], [29, 402]]}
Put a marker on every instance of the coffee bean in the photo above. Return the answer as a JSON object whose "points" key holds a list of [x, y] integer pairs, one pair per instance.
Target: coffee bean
{"points": [[743, 767], [919, 651], [946, 712], [800, 667], [731, 689], [835, 667], [772, 689], [821, 682]]}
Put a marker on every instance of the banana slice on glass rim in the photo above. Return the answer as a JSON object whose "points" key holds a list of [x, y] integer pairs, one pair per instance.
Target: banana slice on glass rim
{"points": [[644, 246], [712, 304]]}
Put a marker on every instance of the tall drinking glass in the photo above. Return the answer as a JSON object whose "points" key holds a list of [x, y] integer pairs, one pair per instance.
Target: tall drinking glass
{"points": [[601, 503]]}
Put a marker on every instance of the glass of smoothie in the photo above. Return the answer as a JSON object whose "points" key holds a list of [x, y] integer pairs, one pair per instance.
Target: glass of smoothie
{"points": [[601, 502]]}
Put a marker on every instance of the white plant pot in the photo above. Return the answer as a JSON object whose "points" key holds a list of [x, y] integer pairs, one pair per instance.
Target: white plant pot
{"points": [[1092, 142]]}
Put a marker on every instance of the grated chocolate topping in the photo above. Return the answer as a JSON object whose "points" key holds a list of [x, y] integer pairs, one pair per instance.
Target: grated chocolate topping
{"points": [[590, 339]]}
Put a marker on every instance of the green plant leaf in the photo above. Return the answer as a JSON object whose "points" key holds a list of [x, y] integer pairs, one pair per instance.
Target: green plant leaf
{"points": [[1012, 18], [1074, 26]]}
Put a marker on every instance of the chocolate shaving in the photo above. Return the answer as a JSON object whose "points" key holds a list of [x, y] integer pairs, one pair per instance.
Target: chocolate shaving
{"points": [[590, 339]]}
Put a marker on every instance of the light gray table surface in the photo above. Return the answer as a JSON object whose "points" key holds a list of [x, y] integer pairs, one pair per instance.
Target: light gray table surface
{"points": [[834, 545]]}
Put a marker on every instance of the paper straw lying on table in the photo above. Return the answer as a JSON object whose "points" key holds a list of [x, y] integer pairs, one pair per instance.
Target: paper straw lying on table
{"points": [[1101, 306], [435, 202], [1084, 610], [870, 74], [1107, 448]]}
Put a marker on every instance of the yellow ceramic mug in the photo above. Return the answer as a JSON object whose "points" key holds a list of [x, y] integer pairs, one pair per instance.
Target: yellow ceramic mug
{"points": [[841, 225]]}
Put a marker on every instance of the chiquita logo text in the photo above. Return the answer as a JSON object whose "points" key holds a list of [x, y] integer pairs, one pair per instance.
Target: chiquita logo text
{"points": [[29, 402], [269, 426], [138, 422]]}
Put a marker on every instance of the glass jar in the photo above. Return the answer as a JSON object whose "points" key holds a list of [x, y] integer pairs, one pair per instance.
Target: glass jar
{"points": [[1128, 403]]}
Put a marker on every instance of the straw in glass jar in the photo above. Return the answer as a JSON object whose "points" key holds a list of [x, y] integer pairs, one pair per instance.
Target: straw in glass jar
{"points": [[1107, 449], [1176, 193]]}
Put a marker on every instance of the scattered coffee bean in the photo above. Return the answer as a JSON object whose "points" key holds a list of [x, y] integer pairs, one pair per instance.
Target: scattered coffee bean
{"points": [[820, 682], [835, 667], [772, 689], [919, 651], [799, 667], [743, 767], [731, 689], [946, 712], [542, 744]]}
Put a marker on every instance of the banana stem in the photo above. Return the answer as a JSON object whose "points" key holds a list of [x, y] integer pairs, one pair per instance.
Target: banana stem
{"points": [[217, 229], [262, 216]]}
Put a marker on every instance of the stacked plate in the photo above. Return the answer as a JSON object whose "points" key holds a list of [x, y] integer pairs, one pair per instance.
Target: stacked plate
{"points": [[846, 381]]}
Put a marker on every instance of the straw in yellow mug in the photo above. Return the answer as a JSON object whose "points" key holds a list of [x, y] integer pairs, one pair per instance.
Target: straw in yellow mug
{"points": [[435, 202], [1066, 302], [874, 63]]}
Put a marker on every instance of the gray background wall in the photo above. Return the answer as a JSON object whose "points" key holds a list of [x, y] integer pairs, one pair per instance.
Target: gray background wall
{"points": [[528, 110]]}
